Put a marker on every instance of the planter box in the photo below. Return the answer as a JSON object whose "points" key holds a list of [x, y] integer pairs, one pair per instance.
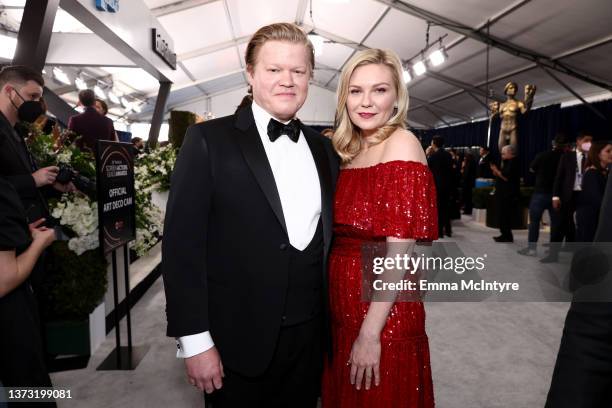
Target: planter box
{"points": [[76, 337]]}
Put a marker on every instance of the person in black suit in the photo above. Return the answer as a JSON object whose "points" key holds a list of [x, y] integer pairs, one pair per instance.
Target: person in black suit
{"points": [[22, 362], [20, 91], [566, 189], [484, 164], [246, 238], [90, 124], [507, 191], [545, 168], [593, 187], [468, 181], [582, 377], [440, 163]]}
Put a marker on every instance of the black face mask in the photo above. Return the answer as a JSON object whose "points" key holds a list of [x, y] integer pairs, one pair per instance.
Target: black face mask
{"points": [[29, 111]]}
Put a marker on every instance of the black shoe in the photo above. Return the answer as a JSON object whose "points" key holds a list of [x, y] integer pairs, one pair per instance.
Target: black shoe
{"points": [[550, 258], [501, 238]]}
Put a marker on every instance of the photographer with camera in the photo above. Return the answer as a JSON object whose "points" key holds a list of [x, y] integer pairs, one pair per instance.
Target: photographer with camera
{"points": [[22, 362]]}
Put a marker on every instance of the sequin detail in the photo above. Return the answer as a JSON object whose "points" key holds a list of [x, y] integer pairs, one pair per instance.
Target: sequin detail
{"points": [[395, 199]]}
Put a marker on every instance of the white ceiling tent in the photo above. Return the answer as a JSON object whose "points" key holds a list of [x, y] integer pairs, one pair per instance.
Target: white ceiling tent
{"points": [[562, 46]]}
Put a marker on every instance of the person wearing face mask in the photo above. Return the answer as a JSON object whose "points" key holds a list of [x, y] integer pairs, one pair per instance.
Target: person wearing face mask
{"points": [[20, 91], [593, 186], [566, 189], [22, 361]]}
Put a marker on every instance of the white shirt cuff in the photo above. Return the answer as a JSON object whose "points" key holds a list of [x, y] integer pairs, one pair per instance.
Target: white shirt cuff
{"points": [[189, 346]]}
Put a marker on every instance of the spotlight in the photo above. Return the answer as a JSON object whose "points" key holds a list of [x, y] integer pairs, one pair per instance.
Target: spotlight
{"points": [[407, 76], [419, 68], [437, 57], [80, 83], [112, 96], [99, 92], [61, 76], [126, 104]]}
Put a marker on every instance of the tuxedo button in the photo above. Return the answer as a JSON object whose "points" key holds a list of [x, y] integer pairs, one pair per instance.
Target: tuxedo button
{"points": [[283, 246], [284, 318]]}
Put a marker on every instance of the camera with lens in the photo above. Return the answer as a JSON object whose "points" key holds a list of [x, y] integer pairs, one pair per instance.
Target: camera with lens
{"points": [[67, 174]]}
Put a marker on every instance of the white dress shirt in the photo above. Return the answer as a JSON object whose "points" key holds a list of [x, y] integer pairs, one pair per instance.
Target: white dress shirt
{"points": [[578, 178], [297, 182]]}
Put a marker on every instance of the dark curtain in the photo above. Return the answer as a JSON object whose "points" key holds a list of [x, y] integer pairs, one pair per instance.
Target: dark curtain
{"points": [[537, 129]]}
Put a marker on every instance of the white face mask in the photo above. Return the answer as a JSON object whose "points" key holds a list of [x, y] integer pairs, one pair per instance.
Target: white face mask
{"points": [[586, 146]]}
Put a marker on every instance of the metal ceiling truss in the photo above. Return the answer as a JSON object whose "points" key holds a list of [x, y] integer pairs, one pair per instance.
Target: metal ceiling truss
{"points": [[177, 6], [496, 42]]}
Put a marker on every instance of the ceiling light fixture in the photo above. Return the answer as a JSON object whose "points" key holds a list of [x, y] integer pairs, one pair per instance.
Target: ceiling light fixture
{"points": [[61, 76], [80, 83], [437, 57], [8, 45], [419, 68], [406, 75], [112, 96], [99, 92]]}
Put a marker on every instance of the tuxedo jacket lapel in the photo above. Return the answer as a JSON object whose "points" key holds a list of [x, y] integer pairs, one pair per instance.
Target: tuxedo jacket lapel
{"points": [[321, 160], [256, 158]]}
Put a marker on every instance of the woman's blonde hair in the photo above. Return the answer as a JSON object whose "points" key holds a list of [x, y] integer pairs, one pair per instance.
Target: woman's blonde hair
{"points": [[286, 32], [347, 137]]}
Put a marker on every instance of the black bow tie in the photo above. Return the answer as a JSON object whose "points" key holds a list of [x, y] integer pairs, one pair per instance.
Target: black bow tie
{"points": [[291, 129]]}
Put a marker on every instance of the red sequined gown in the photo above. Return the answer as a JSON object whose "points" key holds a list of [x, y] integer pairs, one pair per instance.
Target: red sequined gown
{"points": [[395, 199]]}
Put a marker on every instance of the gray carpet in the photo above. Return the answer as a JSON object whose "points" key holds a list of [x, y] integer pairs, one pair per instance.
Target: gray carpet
{"points": [[485, 355]]}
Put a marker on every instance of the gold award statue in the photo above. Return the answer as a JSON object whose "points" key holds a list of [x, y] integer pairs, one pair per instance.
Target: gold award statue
{"points": [[508, 112]]}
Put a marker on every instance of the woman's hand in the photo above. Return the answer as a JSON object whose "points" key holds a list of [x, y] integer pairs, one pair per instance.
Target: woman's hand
{"points": [[365, 361], [42, 235]]}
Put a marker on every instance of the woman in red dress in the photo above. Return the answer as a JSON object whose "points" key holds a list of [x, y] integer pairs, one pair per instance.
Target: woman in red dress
{"points": [[385, 193]]}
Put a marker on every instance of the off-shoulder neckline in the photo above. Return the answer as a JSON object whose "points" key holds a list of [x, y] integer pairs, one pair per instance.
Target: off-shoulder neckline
{"points": [[383, 163]]}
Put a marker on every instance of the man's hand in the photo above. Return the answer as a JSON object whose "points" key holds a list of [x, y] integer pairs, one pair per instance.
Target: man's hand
{"points": [[556, 203], [205, 370], [64, 188], [45, 176]]}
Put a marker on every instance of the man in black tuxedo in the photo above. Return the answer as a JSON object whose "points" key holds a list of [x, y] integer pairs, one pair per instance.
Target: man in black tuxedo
{"points": [[507, 191], [566, 188], [440, 163], [91, 125], [583, 372], [247, 233]]}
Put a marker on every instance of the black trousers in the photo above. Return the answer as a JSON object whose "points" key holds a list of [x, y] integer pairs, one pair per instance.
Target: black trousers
{"points": [[506, 205], [22, 362], [292, 379], [583, 372], [566, 227]]}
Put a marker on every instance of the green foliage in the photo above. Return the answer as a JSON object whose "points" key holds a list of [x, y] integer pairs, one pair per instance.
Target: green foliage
{"points": [[75, 285], [179, 122]]}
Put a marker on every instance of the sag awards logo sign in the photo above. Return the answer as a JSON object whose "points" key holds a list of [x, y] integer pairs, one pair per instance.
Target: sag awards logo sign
{"points": [[112, 6]]}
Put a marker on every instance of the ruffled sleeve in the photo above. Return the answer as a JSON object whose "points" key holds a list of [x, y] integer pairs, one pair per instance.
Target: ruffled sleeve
{"points": [[405, 201], [14, 232]]}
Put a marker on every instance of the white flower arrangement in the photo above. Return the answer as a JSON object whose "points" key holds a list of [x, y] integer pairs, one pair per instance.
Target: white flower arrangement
{"points": [[80, 215]]}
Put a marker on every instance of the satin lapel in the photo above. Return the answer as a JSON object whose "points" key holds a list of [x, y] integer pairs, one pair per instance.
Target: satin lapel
{"points": [[256, 158], [323, 168]]}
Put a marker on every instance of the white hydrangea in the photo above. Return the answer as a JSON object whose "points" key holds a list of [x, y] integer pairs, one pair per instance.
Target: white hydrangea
{"points": [[82, 244], [64, 157]]}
